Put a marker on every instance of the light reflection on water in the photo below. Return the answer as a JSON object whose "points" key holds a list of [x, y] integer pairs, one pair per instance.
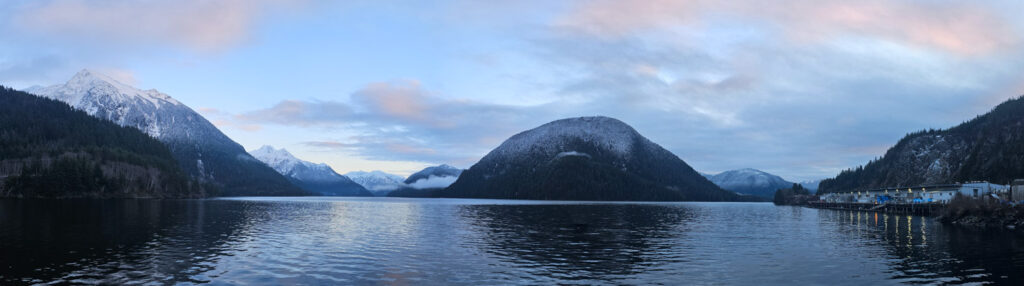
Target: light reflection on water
{"points": [[447, 241]]}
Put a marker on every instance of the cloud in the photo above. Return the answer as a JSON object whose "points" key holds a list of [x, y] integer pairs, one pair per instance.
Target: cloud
{"points": [[401, 120], [31, 69], [301, 113], [780, 85], [963, 28], [434, 182], [196, 24]]}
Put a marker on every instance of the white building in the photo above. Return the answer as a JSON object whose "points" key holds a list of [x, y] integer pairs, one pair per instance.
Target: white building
{"points": [[920, 194]]}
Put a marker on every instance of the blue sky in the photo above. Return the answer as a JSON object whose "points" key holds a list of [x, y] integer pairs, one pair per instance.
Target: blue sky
{"points": [[802, 89]]}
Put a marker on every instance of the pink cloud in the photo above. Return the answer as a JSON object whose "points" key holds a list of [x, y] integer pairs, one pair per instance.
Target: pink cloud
{"points": [[964, 28], [197, 24], [399, 99]]}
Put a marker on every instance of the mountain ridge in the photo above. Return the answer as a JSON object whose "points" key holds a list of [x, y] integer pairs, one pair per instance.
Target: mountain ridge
{"points": [[201, 149], [317, 178], [750, 181], [989, 147], [49, 149]]}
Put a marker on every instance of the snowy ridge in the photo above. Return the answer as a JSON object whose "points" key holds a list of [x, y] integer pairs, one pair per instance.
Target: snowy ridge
{"points": [[750, 181], [200, 148], [281, 160], [287, 164], [102, 96], [376, 180], [316, 178], [551, 138]]}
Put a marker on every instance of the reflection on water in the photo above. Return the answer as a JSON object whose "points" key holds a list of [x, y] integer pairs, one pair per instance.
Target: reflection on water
{"points": [[580, 242], [921, 250], [443, 241]]}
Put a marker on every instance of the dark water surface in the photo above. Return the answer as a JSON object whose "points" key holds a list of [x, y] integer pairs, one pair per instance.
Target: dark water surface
{"points": [[317, 241]]}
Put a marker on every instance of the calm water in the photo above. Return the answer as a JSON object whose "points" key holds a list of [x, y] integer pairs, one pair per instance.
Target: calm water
{"points": [[439, 241]]}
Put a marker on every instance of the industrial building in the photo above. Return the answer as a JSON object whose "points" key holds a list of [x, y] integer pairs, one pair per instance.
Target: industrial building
{"points": [[1017, 190], [921, 194]]}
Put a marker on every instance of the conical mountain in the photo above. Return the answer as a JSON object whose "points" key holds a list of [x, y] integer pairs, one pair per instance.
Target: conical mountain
{"points": [[585, 158], [199, 147]]}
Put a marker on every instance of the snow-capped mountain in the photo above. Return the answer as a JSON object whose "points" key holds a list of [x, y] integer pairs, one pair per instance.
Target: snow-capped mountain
{"points": [[104, 97], [200, 148], [585, 158], [433, 177], [377, 182], [316, 178], [750, 182]]}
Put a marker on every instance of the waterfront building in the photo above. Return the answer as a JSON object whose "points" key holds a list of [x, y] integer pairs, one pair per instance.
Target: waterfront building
{"points": [[919, 194]]}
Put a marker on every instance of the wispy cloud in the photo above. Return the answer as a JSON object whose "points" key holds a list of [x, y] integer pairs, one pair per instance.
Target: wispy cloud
{"points": [[402, 121], [196, 24], [965, 28]]}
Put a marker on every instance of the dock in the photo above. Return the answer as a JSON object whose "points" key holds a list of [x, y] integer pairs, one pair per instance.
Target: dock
{"points": [[925, 209]]}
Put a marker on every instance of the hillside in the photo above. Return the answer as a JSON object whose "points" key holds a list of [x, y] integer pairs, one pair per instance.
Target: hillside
{"points": [[202, 151], [989, 147], [50, 150]]}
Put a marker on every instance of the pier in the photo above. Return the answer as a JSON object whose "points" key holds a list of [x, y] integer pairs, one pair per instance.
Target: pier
{"points": [[925, 209]]}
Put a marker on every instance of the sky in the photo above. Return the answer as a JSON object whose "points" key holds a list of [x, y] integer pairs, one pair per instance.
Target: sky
{"points": [[801, 89]]}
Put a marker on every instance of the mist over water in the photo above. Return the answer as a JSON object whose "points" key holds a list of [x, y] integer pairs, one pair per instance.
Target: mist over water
{"points": [[456, 241]]}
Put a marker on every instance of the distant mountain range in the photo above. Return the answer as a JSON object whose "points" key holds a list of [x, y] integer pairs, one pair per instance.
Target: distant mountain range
{"points": [[384, 184], [750, 182], [200, 148], [377, 182], [50, 150], [586, 158], [319, 179], [989, 147], [755, 182]]}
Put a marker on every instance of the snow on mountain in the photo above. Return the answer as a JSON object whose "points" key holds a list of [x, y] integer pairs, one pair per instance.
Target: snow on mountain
{"points": [[377, 181], [285, 163], [434, 177], [552, 138], [317, 178], [583, 158], [750, 181], [201, 149], [105, 97]]}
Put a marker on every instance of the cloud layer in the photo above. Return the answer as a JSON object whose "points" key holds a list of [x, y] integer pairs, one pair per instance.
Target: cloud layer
{"points": [[800, 88], [196, 24], [402, 121]]}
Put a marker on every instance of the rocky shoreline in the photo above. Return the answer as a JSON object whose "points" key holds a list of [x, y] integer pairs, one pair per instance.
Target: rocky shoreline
{"points": [[986, 214]]}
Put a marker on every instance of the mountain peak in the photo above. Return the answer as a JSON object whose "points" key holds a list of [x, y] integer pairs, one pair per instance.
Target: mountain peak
{"points": [[91, 78], [279, 159], [270, 150], [608, 133], [89, 90], [750, 181]]}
